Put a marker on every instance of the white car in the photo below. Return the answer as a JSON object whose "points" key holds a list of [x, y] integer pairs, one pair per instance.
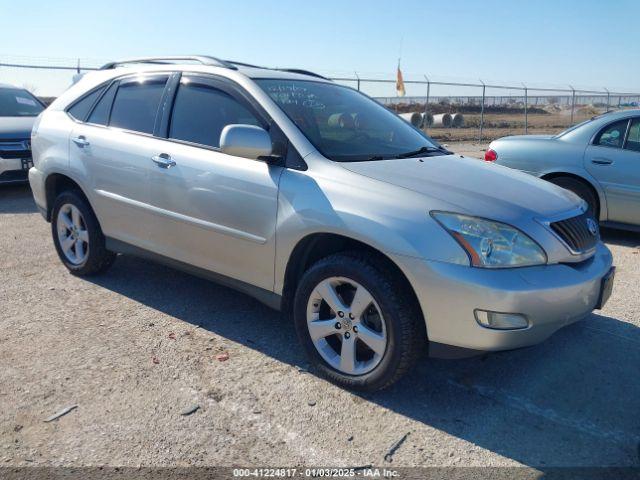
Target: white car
{"points": [[18, 110]]}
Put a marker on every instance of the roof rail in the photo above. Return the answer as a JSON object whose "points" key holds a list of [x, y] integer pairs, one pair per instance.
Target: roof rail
{"points": [[290, 70], [203, 59], [301, 72], [242, 64]]}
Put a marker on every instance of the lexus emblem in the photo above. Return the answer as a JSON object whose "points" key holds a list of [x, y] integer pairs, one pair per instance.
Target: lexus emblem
{"points": [[592, 226]]}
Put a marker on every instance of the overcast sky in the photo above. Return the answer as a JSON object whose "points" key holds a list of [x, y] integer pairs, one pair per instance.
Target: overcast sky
{"points": [[585, 43]]}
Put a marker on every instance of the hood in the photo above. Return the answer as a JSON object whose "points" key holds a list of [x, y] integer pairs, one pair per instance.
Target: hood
{"points": [[16, 128], [472, 186]]}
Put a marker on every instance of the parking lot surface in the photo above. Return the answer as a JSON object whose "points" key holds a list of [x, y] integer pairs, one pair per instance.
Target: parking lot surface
{"points": [[137, 348]]}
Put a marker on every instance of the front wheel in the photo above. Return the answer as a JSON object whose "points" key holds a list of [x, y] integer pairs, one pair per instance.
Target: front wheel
{"points": [[78, 237], [359, 327]]}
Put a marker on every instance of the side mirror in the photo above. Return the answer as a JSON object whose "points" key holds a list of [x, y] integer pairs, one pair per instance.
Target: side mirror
{"points": [[247, 141]]}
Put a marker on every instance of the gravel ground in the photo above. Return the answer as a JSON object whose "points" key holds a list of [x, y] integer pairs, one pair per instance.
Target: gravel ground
{"points": [[136, 347], [468, 149]]}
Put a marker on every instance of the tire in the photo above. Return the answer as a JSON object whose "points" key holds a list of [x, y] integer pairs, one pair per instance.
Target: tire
{"points": [[582, 189], [74, 223], [397, 320]]}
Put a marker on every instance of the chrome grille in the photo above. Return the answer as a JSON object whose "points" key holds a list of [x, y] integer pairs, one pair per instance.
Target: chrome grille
{"points": [[579, 233]]}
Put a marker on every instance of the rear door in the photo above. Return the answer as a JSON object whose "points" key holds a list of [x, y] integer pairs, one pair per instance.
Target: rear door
{"points": [[215, 211], [613, 159], [113, 151]]}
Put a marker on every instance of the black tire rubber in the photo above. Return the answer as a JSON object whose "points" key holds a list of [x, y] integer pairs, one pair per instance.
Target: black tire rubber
{"points": [[99, 258], [405, 326], [580, 188]]}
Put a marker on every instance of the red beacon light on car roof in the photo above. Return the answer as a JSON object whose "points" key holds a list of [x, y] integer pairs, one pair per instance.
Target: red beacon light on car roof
{"points": [[490, 155]]}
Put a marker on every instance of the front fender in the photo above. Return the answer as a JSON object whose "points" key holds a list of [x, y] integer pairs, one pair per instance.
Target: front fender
{"points": [[582, 174], [390, 219]]}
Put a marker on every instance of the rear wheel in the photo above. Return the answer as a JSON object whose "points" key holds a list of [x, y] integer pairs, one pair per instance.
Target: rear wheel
{"points": [[360, 329], [581, 189], [78, 237]]}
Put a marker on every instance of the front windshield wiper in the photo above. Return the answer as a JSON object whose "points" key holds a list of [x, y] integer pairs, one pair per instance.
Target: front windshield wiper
{"points": [[420, 151]]}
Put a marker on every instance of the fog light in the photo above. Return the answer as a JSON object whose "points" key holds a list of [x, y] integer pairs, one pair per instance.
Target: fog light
{"points": [[501, 321]]}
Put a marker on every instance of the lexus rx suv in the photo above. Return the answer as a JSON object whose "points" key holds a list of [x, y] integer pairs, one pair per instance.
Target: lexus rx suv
{"points": [[318, 201], [18, 110]]}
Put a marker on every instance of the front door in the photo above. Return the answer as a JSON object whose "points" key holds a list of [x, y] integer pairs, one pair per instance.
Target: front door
{"points": [[614, 160], [213, 210]]}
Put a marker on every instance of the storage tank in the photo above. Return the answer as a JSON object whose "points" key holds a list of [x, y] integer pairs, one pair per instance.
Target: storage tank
{"points": [[427, 120], [457, 120], [414, 118], [442, 120]]}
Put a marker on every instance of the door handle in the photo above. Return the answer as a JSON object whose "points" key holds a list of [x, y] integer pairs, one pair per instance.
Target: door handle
{"points": [[81, 141], [602, 161], [163, 160]]}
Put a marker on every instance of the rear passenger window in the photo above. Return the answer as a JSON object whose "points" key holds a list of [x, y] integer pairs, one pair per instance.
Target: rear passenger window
{"points": [[136, 104], [80, 109], [612, 135], [100, 114], [633, 140], [200, 112]]}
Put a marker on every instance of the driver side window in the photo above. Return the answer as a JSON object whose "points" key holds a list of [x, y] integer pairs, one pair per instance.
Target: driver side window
{"points": [[200, 112], [612, 135]]}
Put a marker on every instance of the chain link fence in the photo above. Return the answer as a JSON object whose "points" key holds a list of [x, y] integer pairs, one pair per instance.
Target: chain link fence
{"points": [[449, 111], [46, 77], [467, 111]]}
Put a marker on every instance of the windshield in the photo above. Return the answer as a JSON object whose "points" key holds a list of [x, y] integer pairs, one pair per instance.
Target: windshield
{"points": [[345, 125], [15, 102]]}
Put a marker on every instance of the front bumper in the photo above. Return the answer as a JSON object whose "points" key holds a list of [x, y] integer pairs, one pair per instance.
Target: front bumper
{"points": [[12, 171], [37, 183], [550, 296]]}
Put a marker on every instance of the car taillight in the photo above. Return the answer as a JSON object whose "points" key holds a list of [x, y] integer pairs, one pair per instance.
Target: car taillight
{"points": [[490, 156]]}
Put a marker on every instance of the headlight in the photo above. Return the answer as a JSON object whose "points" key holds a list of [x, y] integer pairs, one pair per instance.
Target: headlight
{"points": [[491, 244]]}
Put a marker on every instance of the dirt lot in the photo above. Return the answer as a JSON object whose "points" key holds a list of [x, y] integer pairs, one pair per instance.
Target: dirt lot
{"points": [[502, 125], [136, 347]]}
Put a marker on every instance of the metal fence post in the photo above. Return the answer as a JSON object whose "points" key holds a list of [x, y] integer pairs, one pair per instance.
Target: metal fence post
{"points": [[573, 102], [426, 105], [484, 89], [526, 109], [358, 80], [608, 97]]}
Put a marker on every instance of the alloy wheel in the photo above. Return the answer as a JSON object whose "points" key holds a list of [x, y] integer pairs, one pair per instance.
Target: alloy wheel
{"points": [[73, 236], [346, 326]]}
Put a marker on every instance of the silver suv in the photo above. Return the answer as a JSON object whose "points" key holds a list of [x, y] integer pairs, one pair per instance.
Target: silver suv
{"points": [[318, 201]]}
